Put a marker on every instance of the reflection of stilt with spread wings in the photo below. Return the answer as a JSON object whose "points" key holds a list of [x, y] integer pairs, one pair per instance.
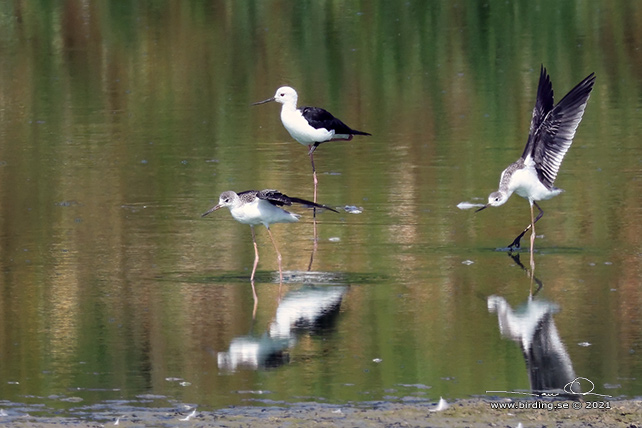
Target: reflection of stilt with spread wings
{"points": [[532, 326]]}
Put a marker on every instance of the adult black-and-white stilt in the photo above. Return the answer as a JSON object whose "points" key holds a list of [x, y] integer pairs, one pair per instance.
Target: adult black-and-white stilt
{"points": [[310, 126], [261, 207], [551, 134]]}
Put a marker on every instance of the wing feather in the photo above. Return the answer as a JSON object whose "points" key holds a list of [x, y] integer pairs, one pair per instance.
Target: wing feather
{"points": [[277, 198], [543, 105], [555, 134], [319, 118]]}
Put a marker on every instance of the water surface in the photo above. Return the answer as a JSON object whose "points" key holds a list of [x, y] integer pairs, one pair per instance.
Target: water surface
{"points": [[120, 123]]}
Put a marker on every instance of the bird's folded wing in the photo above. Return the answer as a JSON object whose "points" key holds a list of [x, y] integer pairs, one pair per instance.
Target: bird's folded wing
{"points": [[319, 118]]}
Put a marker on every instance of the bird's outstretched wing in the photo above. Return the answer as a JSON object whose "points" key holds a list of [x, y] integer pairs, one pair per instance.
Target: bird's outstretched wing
{"points": [[553, 127], [311, 204], [558, 129], [543, 105], [279, 199], [319, 118], [248, 195], [274, 197]]}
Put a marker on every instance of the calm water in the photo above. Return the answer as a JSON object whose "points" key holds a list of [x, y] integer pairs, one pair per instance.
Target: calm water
{"points": [[120, 123]]}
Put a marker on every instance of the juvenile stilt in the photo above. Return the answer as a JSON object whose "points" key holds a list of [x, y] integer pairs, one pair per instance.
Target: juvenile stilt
{"points": [[254, 207], [551, 135]]}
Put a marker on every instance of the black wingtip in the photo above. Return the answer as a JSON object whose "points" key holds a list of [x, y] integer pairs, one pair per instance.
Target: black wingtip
{"points": [[328, 208], [544, 101], [311, 204], [579, 94], [321, 206], [589, 80]]}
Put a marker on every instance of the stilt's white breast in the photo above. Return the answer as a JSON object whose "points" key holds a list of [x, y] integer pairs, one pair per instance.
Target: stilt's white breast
{"points": [[300, 129], [526, 184], [263, 212], [247, 213]]}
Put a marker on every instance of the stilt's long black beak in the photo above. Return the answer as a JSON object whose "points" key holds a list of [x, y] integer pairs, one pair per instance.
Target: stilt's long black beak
{"points": [[264, 101], [211, 210], [482, 208]]}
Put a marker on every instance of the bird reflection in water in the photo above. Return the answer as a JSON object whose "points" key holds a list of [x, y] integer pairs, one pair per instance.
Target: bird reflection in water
{"points": [[530, 273], [312, 309], [531, 325]]}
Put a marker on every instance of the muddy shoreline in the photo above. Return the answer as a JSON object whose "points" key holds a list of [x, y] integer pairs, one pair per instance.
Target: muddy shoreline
{"points": [[478, 412]]}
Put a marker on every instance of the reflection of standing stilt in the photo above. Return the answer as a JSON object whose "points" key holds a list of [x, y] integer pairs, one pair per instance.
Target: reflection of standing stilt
{"points": [[310, 309]]}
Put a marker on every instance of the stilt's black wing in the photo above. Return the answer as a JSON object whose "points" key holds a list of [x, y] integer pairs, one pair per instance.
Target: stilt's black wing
{"points": [[311, 204], [274, 197], [555, 134], [277, 198], [543, 105], [319, 118]]}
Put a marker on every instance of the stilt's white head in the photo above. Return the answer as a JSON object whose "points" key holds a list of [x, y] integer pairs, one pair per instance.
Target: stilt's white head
{"points": [[498, 198], [227, 199], [283, 95], [286, 95], [495, 199]]}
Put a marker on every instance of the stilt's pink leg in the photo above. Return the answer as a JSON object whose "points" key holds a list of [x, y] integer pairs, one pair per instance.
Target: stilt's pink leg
{"points": [[532, 238], [278, 256], [256, 257], [314, 174]]}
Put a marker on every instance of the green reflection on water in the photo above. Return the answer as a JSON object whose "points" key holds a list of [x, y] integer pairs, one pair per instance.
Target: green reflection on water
{"points": [[121, 122]]}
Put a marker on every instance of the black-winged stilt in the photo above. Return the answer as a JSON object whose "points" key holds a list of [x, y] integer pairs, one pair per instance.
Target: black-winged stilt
{"points": [[551, 134], [261, 207], [310, 126]]}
